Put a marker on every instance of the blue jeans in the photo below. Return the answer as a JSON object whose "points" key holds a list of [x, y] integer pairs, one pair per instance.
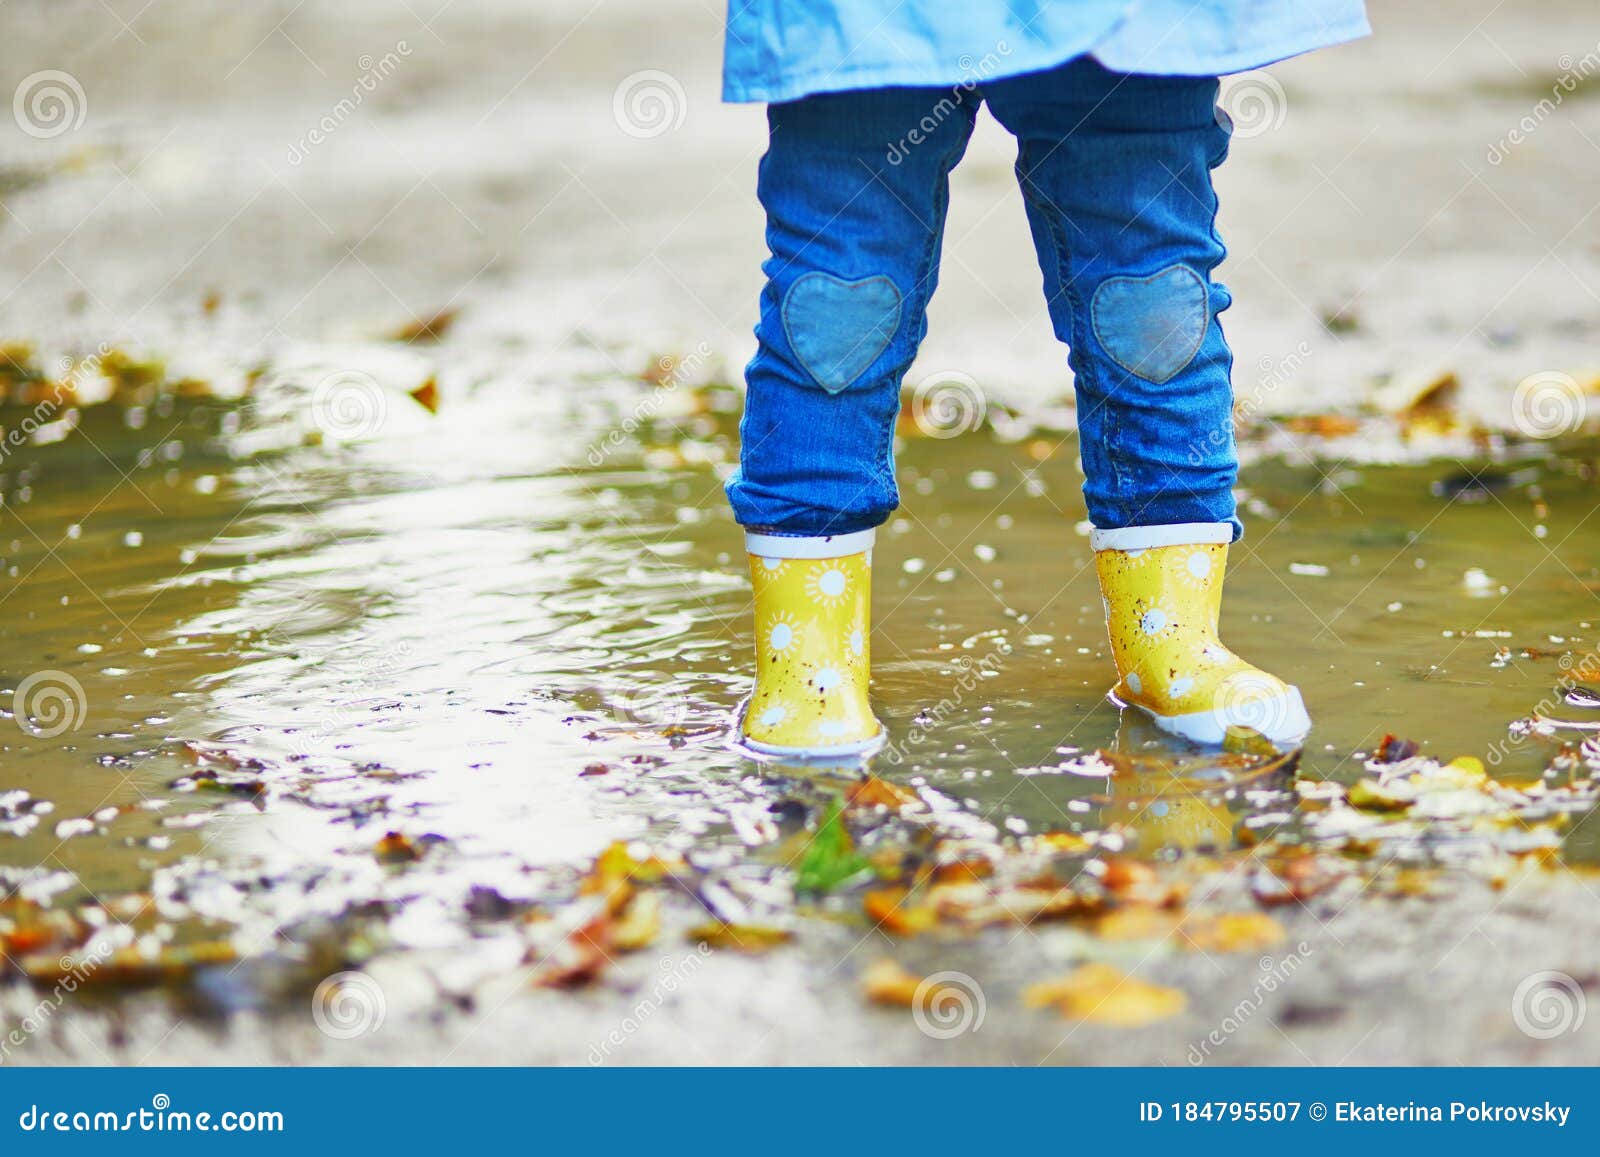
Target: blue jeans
{"points": [[1115, 170]]}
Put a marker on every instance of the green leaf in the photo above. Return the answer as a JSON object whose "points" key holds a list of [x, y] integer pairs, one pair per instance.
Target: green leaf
{"points": [[830, 859]]}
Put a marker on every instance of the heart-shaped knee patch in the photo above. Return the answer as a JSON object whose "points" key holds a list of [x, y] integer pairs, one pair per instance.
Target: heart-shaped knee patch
{"points": [[1152, 326], [837, 328]]}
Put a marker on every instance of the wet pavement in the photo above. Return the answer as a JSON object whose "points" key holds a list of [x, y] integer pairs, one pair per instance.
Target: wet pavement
{"points": [[335, 651]]}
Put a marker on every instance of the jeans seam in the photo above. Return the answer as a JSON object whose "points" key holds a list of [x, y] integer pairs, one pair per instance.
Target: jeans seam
{"points": [[1214, 162]]}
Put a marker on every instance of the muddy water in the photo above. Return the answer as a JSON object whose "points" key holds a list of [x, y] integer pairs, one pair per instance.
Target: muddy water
{"points": [[434, 630]]}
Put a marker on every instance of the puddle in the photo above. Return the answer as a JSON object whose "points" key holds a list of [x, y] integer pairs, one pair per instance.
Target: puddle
{"points": [[515, 638]]}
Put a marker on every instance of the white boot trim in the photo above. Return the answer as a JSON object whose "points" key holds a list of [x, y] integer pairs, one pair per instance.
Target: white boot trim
{"points": [[1176, 534], [831, 546]]}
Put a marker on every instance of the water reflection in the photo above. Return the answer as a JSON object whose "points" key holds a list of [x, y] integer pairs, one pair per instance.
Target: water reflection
{"points": [[465, 629]]}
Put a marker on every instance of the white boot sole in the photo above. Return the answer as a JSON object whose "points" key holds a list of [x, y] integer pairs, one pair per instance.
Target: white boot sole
{"points": [[855, 749], [1282, 720], [859, 749]]}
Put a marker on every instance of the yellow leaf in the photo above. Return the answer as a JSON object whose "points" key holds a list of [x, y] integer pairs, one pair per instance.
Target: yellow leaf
{"points": [[1412, 882], [885, 982], [1233, 932], [1068, 842], [751, 938], [1138, 923], [639, 924], [1100, 994], [1374, 796], [1465, 771], [618, 863]]}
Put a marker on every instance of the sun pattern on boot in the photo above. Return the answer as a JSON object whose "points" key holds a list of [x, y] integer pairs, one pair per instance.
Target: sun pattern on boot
{"points": [[812, 623], [1162, 604]]}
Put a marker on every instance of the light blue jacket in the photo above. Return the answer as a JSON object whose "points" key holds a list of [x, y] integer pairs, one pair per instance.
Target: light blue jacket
{"points": [[779, 50]]}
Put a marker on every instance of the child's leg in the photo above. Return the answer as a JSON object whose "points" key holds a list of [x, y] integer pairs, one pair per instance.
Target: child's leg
{"points": [[855, 186], [1116, 172]]}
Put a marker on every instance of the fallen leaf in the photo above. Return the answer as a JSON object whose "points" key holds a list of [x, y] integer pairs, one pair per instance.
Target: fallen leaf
{"points": [[618, 862], [1393, 749], [1064, 842], [888, 909], [1290, 880], [638, 924], [875, 792], [1322, 425], [1423, 400], [396, 848], [580, 959], [1467, 770], [830, 859], [1233, 932], [131, 967], [1122, 874], [1100, 994], [749, 938], [427, 395], [1370, 795], [1135, 882], [966, 870], [1412, 883], [426, 329], [885, 982], [1137, 923]]}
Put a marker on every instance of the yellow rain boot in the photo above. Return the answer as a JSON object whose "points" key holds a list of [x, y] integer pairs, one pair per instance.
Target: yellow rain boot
{"points": [[1162, 587], [813, 612]]}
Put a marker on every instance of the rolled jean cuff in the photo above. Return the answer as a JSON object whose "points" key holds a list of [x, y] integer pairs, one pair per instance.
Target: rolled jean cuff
{"points": [[759, 514], [796, 546], [1170, 534]]}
